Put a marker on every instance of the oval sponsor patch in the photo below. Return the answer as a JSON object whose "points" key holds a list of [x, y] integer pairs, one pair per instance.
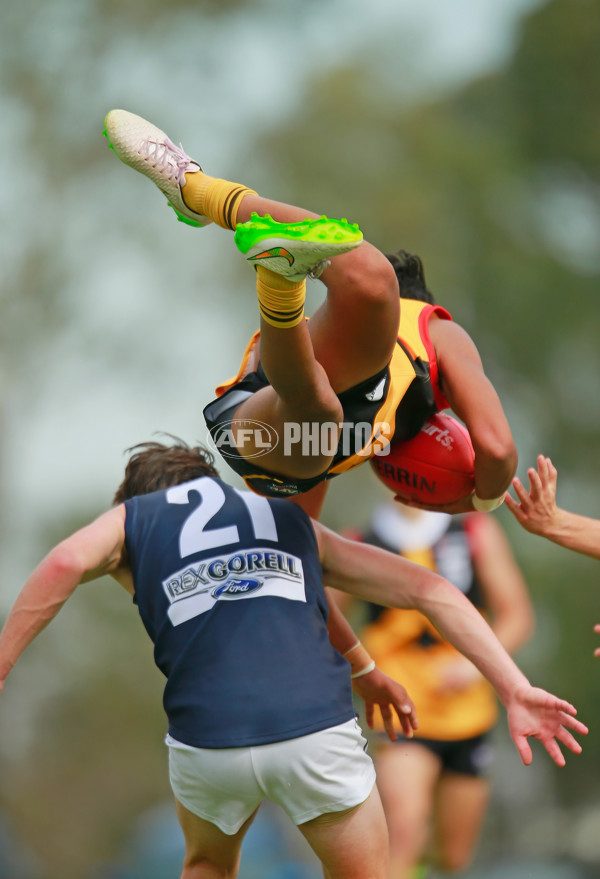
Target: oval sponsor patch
{"points": [[235, 587]]}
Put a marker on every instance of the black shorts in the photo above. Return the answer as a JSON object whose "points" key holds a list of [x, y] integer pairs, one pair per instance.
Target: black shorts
{"points": [[358, 406], [219, 414], [462, 756]]}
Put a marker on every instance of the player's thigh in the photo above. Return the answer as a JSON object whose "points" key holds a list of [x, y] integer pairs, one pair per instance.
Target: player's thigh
{"points": [[354, 331], [355, 847], [461, 804], [205, 842], [306, 437], [407, 774]]}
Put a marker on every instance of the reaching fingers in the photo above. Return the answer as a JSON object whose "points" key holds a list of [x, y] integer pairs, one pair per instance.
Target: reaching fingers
{"points": [[569, 741], [552, 474], [549, 719], [408, 719], [406, 726], [388, 722], [369, 712], [535, 483], [551, 745], [576, 725], [523, 748], [520, 491], [564, 712], [557, 704]]}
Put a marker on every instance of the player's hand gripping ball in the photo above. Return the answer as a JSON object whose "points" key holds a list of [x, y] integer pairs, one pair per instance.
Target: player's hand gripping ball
{"points": [[433, 468]]}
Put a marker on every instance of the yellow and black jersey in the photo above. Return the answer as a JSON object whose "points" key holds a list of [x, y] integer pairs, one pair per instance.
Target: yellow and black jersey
{"points": [[406, 646], [394, 403]]}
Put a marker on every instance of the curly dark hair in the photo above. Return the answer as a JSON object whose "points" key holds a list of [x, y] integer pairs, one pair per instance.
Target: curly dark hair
{"points": [[154, 465], [411, 276]]}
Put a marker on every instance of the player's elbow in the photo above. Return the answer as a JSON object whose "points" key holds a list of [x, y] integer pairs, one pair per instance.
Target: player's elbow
{"points": [[499, 451], [64, 562], [429, 591]]}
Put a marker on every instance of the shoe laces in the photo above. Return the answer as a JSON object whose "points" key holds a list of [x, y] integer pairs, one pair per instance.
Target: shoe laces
{"points": [[318, 270], [169, 158]]}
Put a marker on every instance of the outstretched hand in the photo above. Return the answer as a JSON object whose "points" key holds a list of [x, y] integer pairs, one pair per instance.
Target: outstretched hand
{"points": [[536, 510], [536, 713], [376, 688]]}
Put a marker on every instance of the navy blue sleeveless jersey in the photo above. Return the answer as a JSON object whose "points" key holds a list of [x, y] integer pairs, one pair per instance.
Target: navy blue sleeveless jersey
{"points": [[228, 586]]}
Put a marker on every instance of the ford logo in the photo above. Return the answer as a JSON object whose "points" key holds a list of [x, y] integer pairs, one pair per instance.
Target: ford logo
{"points": [[234, 587]]}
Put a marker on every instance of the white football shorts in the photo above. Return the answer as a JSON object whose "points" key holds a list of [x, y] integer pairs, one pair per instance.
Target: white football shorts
{"points": [[326, 771]]}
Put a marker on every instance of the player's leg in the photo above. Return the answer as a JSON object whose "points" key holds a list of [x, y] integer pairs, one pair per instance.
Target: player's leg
{"points": [[217, 796], [460, 809], [325, 781], [300, 391], [362, 309], [209, 853], [299, 394], [407, 774], [355, 847], [354, 332], [349, 339]]}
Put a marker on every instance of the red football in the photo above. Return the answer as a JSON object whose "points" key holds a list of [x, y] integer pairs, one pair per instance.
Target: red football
{"points": [[434, 467]]}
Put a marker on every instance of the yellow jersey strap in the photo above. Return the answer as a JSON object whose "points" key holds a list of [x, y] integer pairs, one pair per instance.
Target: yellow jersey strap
{"points": [[413, 333], [220, 390]]}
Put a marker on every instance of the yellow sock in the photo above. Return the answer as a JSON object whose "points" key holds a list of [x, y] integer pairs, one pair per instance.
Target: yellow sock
{"points": [[281, 302], [217, 199]]}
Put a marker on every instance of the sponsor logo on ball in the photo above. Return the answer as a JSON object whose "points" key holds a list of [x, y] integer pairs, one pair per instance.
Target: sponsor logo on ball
{"points": [[444, 437]]}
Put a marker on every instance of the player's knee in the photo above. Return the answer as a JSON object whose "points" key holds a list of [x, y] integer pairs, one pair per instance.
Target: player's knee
{"points": [[371, 277], [329, 407]]}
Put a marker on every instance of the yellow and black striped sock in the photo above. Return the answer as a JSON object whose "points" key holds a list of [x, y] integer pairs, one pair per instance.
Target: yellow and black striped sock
{"points": [[214, 198], [281, 302]]}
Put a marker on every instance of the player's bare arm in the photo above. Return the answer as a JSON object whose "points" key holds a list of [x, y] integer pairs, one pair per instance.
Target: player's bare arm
{"points": [[509, 610], [87, 554], [473, 398], [538, 512], [379, 576]]}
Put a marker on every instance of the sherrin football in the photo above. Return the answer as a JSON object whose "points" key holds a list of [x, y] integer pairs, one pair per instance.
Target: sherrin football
{"points": [[434, 467]]}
